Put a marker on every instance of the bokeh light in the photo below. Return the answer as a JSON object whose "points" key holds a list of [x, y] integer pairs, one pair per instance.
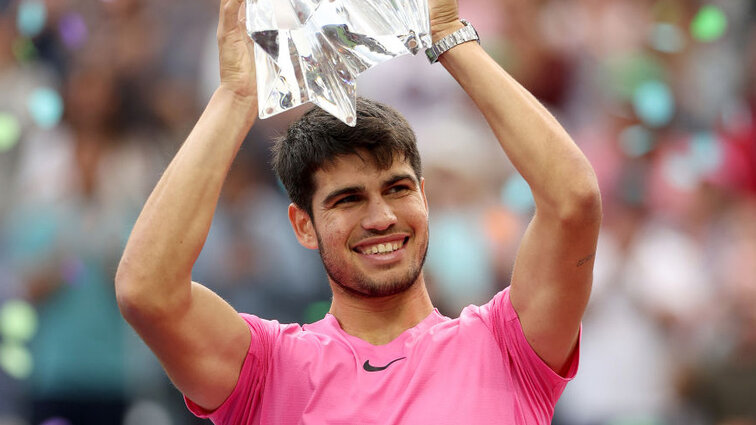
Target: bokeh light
{"points": [[18, 321], [705, 152], [709, 24], [16, 360], [31, 17], [667, 38], [45, 107], [516, 195], [653, 103], [23, 49], [623, 74], [641, 87], [702, 156], [455, 257], [10, 131], [636, 141], [316, 311], [73, 30]]}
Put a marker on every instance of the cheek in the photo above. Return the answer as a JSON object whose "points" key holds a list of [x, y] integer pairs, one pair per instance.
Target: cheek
{"points": [[416, 212], [334, 233]]}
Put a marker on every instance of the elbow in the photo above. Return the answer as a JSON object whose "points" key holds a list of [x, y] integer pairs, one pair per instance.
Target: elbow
{"points": [[141, 297], [582, 206], [130, 296]]}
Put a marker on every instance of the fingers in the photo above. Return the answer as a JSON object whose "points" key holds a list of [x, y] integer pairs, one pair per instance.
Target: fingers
{"points": [[242, 24], [241, 16], [229, 15]]}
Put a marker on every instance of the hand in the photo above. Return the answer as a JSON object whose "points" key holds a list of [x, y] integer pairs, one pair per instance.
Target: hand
{"points": [[237, 60], [444, 18]]}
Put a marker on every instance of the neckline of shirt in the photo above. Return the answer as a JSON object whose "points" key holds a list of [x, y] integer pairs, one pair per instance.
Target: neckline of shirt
{"points": [[433, 318]]}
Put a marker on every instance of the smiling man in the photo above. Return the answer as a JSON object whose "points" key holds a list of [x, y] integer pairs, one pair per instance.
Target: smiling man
{"points": [[383, 354]]}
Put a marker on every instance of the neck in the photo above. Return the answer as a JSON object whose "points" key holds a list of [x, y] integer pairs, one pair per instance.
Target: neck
{"points": [[380, 320]]}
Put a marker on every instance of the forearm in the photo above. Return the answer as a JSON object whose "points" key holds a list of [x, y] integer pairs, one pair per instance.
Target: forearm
{"points": [[559, 175], [173, 225]]}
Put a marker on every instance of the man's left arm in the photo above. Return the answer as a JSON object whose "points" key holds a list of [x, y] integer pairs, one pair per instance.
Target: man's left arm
{"points": [[553, 271]]}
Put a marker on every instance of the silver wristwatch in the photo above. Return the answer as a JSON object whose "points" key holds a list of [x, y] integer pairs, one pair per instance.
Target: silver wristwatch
{"points": [[462, 35]]}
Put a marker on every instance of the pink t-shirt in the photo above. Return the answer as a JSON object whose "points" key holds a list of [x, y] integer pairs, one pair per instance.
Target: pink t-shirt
{"points": [[477, 369]]}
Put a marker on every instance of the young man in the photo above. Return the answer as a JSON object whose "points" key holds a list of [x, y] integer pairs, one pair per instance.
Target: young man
{"points": [[383, 355]]}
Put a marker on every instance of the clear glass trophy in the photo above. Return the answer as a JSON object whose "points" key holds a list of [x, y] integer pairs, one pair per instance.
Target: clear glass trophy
{"points": [[313, 50]]}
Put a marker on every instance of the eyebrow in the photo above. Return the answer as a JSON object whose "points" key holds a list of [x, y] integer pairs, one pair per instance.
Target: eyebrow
{"points": [[343, 191], [399, 177], [350, 190]]}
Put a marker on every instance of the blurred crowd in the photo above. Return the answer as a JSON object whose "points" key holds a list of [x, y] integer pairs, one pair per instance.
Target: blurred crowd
{"points": [[97, 96]]}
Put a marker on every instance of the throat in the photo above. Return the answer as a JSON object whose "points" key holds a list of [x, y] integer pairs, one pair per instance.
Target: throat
{"points": [[379, 321]]}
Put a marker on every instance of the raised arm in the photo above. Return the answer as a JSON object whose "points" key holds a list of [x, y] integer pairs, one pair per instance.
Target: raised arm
{"points": [[199, 339], [553, 270]]}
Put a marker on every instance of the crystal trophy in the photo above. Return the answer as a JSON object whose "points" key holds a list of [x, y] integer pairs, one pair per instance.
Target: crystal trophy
{"points": [[313, 50]]}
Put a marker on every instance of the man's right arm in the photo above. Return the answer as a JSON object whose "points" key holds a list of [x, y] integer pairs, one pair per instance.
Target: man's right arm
{"points": [[199, 339]]}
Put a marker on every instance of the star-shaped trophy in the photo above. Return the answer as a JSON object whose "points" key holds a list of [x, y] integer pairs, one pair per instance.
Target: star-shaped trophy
{"points": [[313, 50]]}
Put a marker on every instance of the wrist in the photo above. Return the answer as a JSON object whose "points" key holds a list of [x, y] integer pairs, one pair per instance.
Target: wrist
{"points": [[242, 103], [460, 35], [439, 31]]}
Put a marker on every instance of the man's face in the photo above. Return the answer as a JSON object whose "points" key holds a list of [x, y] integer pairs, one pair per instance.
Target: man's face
{"points": [[371, 225]]}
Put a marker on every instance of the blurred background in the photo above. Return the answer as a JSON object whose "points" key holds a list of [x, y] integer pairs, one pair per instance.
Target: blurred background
{"points": [[96, 96]]}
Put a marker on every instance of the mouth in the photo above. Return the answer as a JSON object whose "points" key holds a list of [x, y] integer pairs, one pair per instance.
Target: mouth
{"points": [[382, 248]]}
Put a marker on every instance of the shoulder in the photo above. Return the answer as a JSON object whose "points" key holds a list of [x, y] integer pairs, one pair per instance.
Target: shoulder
{"points": [[275, 336], [258, 325], [498, 311], [266, 334], [502, 320]]}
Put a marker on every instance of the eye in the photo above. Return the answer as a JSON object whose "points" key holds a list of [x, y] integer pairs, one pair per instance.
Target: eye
{"points": [[400, 188], [347, 200]]}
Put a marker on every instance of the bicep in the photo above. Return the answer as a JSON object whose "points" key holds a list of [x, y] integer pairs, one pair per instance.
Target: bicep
{"points": [[551, 284], [201, 347]]}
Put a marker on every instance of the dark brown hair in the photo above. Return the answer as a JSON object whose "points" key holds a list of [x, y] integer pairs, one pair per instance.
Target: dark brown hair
{"points": [[318, 138]]}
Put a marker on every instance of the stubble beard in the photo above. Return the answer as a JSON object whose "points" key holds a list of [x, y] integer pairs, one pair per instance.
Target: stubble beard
{"points": [[361, 285]]}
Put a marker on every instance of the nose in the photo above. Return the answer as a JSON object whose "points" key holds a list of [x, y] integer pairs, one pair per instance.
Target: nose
{"points": [[379, 216]]}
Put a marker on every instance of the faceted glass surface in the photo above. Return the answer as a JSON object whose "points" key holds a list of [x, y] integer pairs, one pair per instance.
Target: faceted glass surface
{"points": [[313, 50]]}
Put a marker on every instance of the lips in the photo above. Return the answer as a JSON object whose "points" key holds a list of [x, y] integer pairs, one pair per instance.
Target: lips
{"points": [[381, 246]]}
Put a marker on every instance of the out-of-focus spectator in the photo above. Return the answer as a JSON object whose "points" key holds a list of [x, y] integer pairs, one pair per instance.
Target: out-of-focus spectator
{"points": [[63, 243], [95, 97], [721, 383], [246, 261]]}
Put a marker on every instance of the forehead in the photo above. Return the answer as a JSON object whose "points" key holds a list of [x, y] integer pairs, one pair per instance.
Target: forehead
{"points": [[348, 170]]}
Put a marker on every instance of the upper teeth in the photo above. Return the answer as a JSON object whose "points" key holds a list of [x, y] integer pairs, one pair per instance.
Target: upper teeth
{"points": [[382, 248]]}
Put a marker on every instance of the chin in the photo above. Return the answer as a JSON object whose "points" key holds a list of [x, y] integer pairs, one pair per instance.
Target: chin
{"points": [[355, 281], [368, 288]]}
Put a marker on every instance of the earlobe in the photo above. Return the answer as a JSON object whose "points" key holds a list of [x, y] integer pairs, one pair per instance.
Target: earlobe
{"points": [[422, 192], [303, 227]]}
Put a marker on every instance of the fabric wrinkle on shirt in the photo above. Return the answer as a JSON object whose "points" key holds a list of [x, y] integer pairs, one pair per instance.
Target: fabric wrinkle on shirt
{"points": [[478, 369]]}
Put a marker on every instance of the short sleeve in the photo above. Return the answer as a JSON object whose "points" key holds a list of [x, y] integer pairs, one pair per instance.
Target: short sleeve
{"points": [[242, 405], [540, 386]]}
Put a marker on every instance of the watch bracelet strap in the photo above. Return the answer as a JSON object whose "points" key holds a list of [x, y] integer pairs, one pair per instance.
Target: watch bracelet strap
{"points": [[462, 35]]}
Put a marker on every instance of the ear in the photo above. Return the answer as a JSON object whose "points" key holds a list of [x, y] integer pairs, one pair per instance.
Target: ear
{"points": [[303, 227], [422, 192]]}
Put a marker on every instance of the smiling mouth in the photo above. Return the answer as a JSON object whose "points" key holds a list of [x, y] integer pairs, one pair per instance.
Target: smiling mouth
{"points": [[382, 248]]}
